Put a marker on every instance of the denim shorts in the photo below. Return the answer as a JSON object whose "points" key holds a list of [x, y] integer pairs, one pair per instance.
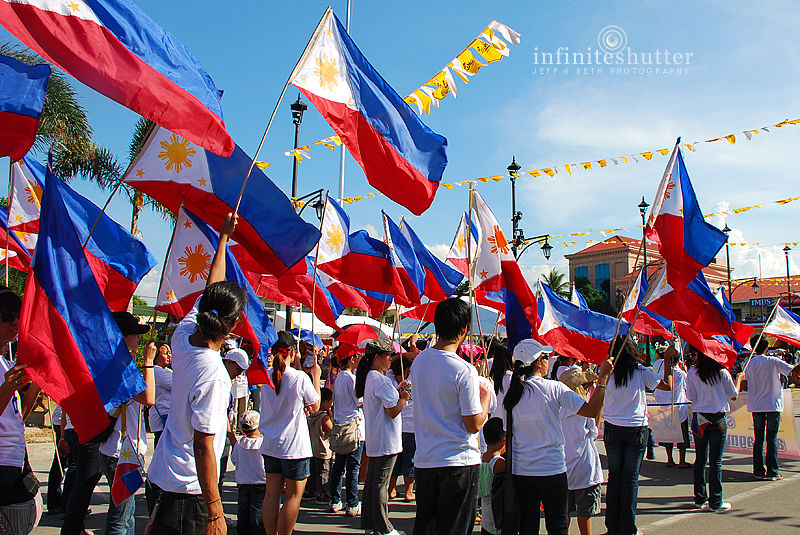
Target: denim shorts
{"points": [[292, 469]]}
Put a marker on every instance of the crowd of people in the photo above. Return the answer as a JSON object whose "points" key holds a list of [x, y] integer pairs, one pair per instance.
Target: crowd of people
{"points": [[425, 414]]}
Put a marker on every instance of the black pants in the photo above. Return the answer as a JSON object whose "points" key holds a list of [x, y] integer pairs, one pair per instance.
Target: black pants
{"points": [[184, 514], [71, 468], [375, 499], [248, 517], [552, 492], [447, 500], [87, 475], [56, 476]]}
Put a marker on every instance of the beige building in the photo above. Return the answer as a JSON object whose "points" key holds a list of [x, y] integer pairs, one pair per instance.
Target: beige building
{"points": [[609, 266]]}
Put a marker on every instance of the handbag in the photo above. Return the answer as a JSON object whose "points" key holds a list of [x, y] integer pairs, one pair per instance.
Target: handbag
{"points": [[344, 437], [505, 504]]}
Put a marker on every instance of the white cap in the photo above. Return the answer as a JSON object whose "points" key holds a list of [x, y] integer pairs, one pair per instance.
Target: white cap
{"points": [[529, 350], [239, 357]]}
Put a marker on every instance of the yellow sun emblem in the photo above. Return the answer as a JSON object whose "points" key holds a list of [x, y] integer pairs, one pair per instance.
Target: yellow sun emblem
{"points": [[783, 325], [177, 153], [327, 72], [195, 263], [34, 192], [335, 238], [498, 241], [460, 242], [23, 236]]}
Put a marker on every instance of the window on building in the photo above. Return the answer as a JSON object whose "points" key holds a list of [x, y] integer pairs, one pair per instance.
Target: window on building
{"points": [[602, 279], [581, 272]]}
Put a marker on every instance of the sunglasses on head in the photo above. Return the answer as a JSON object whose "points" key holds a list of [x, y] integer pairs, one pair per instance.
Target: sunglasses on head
{"points": [[9, 317]]}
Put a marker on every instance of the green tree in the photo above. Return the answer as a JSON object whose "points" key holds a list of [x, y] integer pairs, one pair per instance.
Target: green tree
{"points": [[138, 199], [594, 298], [138, 301], [556, 281]]}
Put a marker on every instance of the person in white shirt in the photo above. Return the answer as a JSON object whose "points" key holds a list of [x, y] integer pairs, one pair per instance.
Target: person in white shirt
{"points": [[625, 434], [709, 386], [404, 466], [677, 396], [287, 441], [383, 403], [163, 374], [20, 511], [250, 476], [450, 407], [346, 408], [536, 438], [183, 475], [765, 402]]}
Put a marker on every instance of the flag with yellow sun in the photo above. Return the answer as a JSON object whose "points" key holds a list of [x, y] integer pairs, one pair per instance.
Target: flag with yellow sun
{"points": [[784, 326], [25, 197]]}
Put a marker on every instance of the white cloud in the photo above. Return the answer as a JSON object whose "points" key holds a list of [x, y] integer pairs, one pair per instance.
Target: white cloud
{"points": [[148, 288], [440, 250], [373, 232]]}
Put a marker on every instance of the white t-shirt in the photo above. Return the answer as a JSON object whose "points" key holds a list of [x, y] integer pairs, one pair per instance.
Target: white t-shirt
{"points": [[492, 408], [163, 378], [583, 461], [678, 387], [284, 425], [445, 390], [538, 448], [626, 406], [407, 414], [56, 417], [383, 433], [134, 424], [248, 461], [12, 428], [240, 388], [764, 393], [711, 398], [201, 389], [345, 402]]}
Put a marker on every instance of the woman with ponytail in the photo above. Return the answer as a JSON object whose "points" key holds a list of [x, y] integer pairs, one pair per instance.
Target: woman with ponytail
{"points": [[287, 442], [537, 440], [183, 474], [626, 432]]}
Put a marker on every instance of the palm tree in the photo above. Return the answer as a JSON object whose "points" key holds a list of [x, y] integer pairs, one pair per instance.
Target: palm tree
{"points": [[556, 282]]}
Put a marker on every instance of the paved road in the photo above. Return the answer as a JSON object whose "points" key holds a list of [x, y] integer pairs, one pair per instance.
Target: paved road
{"points": [[665, 502]]}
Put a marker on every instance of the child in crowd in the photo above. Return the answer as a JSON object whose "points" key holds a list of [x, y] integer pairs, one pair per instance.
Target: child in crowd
{"points": [[492, 462], [250, 477], [320, 424]]}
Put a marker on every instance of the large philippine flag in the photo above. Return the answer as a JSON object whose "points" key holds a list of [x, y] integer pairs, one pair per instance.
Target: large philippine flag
{"points": [[400, 156], [784, 326], [441, 280], [22, 93], [496, 270], [409, 283], [174, 171], [68, 337], [686, 242], [186, 271], [118, 50], [647, 321]]}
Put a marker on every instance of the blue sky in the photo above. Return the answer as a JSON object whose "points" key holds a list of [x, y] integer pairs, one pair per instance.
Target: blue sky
{"points": [[743, 75]]}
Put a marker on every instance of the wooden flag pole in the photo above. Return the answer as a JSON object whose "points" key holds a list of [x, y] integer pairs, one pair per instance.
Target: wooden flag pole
{"points": [[769, 318], [311, 42], [48, 399], [314, 281], [469, 265], [161, 280], [10, 189]]}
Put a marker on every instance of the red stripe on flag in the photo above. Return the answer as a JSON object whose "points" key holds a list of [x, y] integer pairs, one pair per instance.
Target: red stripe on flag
{"points": [[17, 135], [116, 288], [576, 345]]}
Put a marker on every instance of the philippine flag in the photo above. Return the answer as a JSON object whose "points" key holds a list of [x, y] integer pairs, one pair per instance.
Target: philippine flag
{"points": [[409, 284], [458, 257], [576, 332], [68, 337], [496, 270], [128, 475], [18, 256], [25, 199], [185, 273], [686, 242], [400, 156], [174, 171], [22, 92], [647, 321], [441, 280], [785, 326], [576, 298], [118, 50]]}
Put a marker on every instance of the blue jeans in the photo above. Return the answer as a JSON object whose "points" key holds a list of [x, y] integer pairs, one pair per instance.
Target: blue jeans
{"points": [[552, 493], [625, 448], [709, 448], [405, 461], [121, 519], [88, 473], [447, 500], [248, 517], [769, 421], [352, 461]]}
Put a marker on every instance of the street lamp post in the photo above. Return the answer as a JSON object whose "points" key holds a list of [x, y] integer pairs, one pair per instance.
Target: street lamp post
{"points": [[727, 232], [298, 108], [643, 206], [788, 278], [515, 216]]}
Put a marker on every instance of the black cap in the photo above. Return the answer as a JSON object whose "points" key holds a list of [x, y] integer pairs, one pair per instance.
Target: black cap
{"points": [[285, 341], [129, 324]]}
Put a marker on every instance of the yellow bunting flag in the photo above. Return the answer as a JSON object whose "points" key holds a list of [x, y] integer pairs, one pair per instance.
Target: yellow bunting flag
{"points": [[483, 179], [549, 172], [299, 153], [731, 138], [624, 159], [331, 142], [787, 201], [467, 63], [262, 165], [663, 152], [568, 169], [441, 84], [489, 52], [447, 185], [602, 163], [497, 178], [535, 173], [647, 155], [587, 166], [785, 121]]}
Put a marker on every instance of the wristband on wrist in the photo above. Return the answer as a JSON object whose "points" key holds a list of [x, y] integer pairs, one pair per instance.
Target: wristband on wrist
{"points": [[213, 519]]}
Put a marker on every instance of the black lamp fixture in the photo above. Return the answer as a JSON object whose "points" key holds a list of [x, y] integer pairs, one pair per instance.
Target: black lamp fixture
{"points": [[546, 248], [319, 207], [755, 287], [788, 277], [643, 206], [298, 108]]}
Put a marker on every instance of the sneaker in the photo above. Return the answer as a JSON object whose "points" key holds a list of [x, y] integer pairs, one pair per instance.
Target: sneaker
{"points": [[395, 532], [723, 508], [701, 506], [775, 478], [761, 477], [651, 456], [231, 522], [353, 511], [336, 507]]}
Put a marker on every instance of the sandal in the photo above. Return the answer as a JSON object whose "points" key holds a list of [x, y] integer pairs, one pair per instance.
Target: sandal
{"points": [[670, 464]]}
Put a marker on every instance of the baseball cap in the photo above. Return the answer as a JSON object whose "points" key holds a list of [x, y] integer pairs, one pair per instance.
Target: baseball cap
{"points": [[377, 346], [239, 357], [529, 350], [129, 324], [249, 421], [285, 341]]}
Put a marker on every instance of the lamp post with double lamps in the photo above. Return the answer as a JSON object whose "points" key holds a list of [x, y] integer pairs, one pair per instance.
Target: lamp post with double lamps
{"points": [[643, 206], [788, 278], [298, 108], [518, 239]]}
